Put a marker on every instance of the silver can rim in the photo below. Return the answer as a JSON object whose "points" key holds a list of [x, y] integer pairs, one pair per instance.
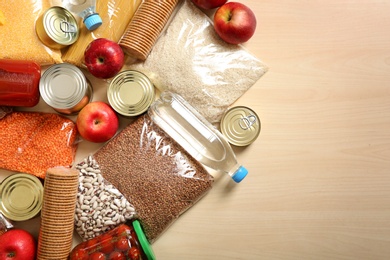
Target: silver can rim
{"points": [[121, 80]]}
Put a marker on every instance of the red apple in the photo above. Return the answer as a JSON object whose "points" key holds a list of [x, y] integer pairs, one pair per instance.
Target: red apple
{"points": [[97, 122], [209, 4], [17, 244], [104, 58], [234, 22]]}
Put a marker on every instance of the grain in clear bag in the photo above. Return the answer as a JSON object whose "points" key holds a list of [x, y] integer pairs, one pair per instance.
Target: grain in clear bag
{"points": [[191, 60], [161, 179], [100, 206]]}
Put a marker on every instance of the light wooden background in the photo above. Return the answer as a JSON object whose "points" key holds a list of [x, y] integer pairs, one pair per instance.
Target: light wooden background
{"points": [[319, 181]]}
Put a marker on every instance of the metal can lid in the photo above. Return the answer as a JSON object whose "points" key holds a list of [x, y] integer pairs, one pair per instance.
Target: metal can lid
{"points": [[63, 86], [21, 196], [130, 93], [240, 125], [60, 25]]}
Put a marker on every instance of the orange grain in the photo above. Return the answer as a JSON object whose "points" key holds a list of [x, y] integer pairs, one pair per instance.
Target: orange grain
{"points": [[32, 142]]}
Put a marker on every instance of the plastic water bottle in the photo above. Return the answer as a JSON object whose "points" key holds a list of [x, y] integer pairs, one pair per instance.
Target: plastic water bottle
{"points": [[86, 9], [195, 134]]}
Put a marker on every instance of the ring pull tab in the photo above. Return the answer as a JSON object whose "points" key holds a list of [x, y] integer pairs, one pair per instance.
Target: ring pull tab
{"points": [[247, 122], [67, 27]]}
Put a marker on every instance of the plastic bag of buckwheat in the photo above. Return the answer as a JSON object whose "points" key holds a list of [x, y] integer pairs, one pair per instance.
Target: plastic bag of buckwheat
{"points": [[100, 206], [162, 180]]}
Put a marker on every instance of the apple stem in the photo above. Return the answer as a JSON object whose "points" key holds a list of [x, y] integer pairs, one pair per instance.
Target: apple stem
{"points": [[11, 254], [230, 16]]}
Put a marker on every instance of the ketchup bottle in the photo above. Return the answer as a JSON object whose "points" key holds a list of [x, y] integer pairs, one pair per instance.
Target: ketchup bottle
{"points": [[19, 83]]}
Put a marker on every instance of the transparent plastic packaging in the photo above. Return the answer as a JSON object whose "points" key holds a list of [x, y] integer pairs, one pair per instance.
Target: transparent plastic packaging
{"points": [[195, 134], [152, 171], [19, 83], [5, 224], [190, 59], [151, 18], [5, 110], [123, 242], [32, 142], [115, 14], [86, 9], [19, 40], [100, 206]]}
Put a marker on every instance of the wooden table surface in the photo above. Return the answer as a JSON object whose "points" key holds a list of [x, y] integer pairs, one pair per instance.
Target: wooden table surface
{"points": [[319, 173]]}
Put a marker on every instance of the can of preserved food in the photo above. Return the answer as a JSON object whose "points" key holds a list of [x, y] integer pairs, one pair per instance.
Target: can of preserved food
{"points": [[19, 83], [57, 28], [122, 242], [65, 88], [21, 196], [130, 93], [240, 125]]}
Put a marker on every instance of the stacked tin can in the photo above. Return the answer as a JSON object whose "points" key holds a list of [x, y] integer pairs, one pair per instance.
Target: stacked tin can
{"points": [[57, 214], [146, 26], [65, 88]]}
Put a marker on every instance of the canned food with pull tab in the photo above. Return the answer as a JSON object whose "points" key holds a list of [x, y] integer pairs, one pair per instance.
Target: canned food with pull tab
{"points": [[240, 125], [57, 28]]}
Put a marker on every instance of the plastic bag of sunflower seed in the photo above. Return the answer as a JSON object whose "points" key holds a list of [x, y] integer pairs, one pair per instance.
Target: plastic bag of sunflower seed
{"points": [[100, 206]]}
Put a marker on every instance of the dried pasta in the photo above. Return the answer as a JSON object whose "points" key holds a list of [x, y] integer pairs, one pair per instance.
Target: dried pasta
{"points": [[116, 15]]}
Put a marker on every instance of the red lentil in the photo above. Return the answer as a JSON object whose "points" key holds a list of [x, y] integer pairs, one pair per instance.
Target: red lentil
{"points": [[33, 142]]}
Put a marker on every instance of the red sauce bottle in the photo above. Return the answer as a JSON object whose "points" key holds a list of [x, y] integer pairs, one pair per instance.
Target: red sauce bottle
{"points": [[19, 83]]}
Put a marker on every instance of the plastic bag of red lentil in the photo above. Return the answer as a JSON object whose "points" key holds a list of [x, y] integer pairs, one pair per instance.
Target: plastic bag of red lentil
{"points": [[159, 177], [32, 142]]}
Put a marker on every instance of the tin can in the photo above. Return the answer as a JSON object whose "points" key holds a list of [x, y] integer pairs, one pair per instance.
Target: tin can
{"points": [[57, 28], [21, 196], [131, 93], [240, 125], [65, 88]]}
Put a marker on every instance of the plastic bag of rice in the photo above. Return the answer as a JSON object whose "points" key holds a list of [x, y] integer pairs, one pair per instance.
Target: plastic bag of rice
{"points": [[190, 59]]}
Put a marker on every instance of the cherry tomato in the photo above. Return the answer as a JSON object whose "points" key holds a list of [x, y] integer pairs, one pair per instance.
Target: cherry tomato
{"points": [[79, 254], [91, 244], [123, 230], [97, 256], [133, 254], [106, 243], [122, 244], [116, 256]]}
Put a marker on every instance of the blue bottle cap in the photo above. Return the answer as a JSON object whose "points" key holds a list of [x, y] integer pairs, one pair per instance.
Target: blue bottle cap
{"points": [[240, 174], [93, 21]]}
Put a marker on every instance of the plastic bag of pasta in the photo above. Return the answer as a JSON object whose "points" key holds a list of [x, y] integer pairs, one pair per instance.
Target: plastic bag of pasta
{"points": [[115, 14]]}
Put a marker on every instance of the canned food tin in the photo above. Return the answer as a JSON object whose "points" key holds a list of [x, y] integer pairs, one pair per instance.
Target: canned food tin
{"points": [[240, 125], [21, 196], [130, 93], [65, 88], [57, 28]]}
